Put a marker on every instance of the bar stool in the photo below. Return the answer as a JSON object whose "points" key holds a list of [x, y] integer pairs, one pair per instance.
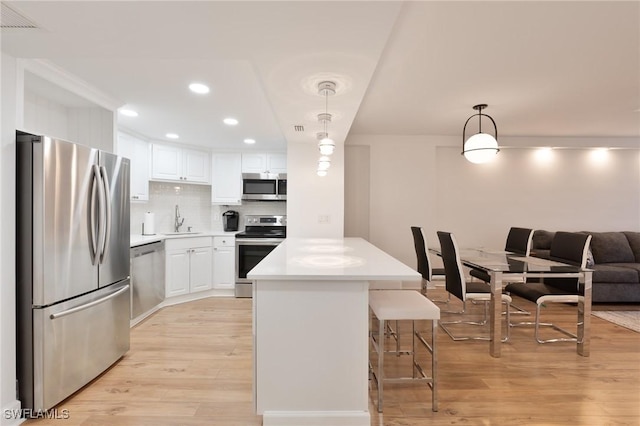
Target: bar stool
{"points": [[404, 305]]}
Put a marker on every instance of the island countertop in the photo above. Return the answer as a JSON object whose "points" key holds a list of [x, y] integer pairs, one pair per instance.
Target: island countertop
{"points": [[330, 259], [316, 291]]}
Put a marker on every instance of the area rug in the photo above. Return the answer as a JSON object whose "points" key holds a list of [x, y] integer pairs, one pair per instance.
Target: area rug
{"points": [[627, 319]]}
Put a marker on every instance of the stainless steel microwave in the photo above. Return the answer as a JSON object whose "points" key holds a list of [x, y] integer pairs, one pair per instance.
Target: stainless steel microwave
{"points": [[264, 186]]}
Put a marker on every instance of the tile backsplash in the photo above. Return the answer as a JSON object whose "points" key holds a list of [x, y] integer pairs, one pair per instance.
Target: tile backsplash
{"points": [[195, 206]]}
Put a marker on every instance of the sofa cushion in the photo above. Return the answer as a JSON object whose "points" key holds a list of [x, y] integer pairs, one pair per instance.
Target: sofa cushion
{"points": [[634, 242], [634, 266], [542, 239], [615, 273], [611, 247]]}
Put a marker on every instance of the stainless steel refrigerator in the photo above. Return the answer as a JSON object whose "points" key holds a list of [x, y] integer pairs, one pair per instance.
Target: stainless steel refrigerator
{"points": [[72, 248]]}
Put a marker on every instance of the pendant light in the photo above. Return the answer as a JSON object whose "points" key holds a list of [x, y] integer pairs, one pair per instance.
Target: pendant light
{"points": [[324, 163], [326, 144], [481, 147]]}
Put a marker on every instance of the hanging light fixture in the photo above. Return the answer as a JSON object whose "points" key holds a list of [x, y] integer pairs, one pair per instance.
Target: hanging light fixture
{"points": [[326, 144], [481, 147], [324, 163]]}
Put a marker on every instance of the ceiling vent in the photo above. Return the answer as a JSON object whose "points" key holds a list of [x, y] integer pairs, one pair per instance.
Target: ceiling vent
{"points": [[298, 128], [10, 19]]}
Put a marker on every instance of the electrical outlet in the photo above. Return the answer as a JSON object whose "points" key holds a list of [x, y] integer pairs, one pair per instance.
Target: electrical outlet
{"points": [[323, 218]]}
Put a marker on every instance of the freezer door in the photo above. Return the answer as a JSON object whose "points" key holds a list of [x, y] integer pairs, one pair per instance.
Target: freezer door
{"points": [[61, 194], [75, 341], [114, 254]]}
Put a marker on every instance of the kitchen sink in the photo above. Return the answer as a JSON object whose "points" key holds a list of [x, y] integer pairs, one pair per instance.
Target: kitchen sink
{"points": [[183, 233]]}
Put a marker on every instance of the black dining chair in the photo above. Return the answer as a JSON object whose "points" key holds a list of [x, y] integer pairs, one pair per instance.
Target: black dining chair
{"points": [[566, 247], [519, 242], [457, 285], [422, 258]]}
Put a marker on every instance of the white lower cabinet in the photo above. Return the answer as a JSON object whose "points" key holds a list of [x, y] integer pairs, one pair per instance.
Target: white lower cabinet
{"points": [[224, 262], [188, 265]]}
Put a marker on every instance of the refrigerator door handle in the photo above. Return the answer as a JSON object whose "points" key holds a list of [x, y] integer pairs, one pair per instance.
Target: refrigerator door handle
{"points": [[107, 213], [101, 214], [92, 223], [89, 305]]}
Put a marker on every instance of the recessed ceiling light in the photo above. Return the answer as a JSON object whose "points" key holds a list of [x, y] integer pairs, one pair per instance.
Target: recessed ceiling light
{"points": [[128, 112], [230, 121], [172, 136], [199, 88], [250, 141]]}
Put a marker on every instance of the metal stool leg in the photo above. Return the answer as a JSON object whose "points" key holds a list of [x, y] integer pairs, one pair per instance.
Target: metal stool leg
{"points": [[380, 378], [434, 365]]}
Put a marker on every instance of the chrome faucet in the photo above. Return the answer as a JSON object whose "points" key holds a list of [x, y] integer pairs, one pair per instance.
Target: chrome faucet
{"points": [[178, 222]]}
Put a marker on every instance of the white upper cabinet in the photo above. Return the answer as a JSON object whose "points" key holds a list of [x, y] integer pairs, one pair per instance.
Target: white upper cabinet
{"points": [[139, 152], [277, 163], [226, 182], [196, 165], [264, 163], [173, 163]]}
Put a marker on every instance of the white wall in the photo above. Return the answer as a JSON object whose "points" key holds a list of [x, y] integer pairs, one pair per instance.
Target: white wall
{"points": [[7, 238], [90, 126], [424, 181], [311, 198], [357, 191]]}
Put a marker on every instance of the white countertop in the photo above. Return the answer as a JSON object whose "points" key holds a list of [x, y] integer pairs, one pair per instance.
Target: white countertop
{"points": [[330, 259], [137, 239]]}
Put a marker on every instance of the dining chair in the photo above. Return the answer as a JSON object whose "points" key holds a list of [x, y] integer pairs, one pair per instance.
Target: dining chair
{"points": [[457, 285], [423, 268], [566, 247], [519, 242], [422, 258]]}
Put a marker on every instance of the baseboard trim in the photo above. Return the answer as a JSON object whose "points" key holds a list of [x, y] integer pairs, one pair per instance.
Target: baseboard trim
{"points": [[316, 418]]}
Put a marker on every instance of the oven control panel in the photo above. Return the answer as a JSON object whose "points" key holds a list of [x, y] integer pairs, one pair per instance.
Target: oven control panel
{"points": [[265, 220]]}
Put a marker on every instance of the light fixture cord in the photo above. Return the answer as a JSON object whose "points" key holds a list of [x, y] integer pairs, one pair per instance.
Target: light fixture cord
{"points": [[326, 111], [480, 120]]}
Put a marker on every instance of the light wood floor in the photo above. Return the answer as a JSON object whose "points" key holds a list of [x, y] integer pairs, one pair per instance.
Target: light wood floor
{"points": [[191, 365]]}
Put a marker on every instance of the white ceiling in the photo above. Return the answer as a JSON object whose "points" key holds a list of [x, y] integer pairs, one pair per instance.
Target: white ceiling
{"points": [[405, 68]]}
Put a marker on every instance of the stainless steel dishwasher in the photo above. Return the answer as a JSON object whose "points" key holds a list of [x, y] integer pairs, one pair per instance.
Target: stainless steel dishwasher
{"points": [[147, 277]]}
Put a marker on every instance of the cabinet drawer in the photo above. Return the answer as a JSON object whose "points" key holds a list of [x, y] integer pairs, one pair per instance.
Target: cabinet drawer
{"points": [[187, 243], [224, 241]]}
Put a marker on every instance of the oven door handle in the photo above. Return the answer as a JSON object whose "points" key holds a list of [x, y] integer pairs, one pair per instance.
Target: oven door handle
{"points": [[258, 241]]}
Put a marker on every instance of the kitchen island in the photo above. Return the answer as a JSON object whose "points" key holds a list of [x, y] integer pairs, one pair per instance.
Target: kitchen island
{"points": [[310, 326]]}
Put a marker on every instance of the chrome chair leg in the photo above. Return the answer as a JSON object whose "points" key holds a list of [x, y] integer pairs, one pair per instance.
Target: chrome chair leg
{"points": [[484, 321]]}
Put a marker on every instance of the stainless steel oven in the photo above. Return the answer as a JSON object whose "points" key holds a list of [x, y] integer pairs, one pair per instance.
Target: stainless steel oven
{"points": [[261, 235]]}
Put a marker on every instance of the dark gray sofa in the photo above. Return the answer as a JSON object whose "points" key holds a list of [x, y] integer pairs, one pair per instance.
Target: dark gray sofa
{"points": [[615, 259]]}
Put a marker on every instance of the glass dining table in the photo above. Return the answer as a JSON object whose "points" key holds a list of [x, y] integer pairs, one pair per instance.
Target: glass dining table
{"points": [[503, 266]]}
